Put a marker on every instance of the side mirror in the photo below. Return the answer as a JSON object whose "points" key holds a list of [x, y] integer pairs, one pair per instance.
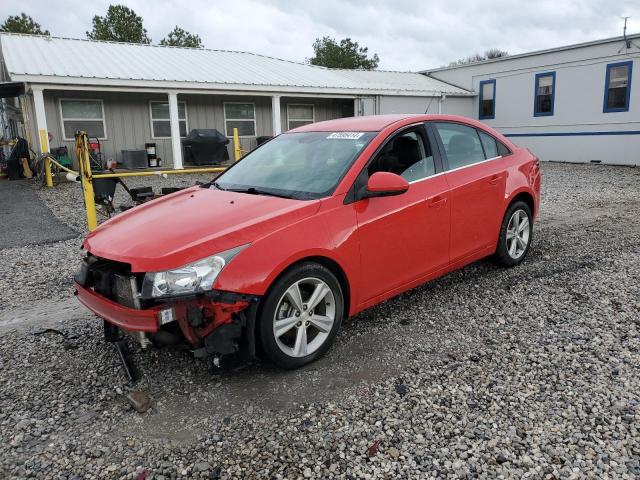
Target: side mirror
{"points": [[384, 184]]}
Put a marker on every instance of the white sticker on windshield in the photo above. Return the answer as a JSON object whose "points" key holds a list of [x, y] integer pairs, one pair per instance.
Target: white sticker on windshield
{"points": [[346, 135]]}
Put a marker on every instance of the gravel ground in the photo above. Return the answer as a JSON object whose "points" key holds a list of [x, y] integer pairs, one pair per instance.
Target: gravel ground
{"points": [[59, 261], [531, 372]]}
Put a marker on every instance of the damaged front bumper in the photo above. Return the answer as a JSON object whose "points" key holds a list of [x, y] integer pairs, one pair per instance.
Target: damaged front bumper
{"points": [[211, 323]]}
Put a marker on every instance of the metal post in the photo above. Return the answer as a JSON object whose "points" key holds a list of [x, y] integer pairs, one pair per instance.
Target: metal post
{"points": [[174, 121], [275, 112], [47, 172], [82, 152], [237, 151]]}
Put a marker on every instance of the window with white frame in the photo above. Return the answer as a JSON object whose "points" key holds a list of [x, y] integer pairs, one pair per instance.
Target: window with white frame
{"points": [[86, 115], [160, 119], [241, 116], [299, 114]]}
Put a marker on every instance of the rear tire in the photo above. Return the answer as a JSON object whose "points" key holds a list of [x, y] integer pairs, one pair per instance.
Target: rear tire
{"points": [[300, 316], [516, 234]]}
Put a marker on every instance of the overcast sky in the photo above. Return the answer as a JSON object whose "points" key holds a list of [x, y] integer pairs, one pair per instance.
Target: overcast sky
{"points": [[407, 35]]}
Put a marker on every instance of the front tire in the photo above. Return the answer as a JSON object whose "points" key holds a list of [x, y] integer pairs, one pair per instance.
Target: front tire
{"points": [[516, 234], [301, 315]]}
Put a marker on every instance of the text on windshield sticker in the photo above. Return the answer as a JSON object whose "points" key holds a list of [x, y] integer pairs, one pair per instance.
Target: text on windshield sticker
{"points": [[346, 135]]}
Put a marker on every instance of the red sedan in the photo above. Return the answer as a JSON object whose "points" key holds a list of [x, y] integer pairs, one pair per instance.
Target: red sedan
{"points": [[310, 228]]}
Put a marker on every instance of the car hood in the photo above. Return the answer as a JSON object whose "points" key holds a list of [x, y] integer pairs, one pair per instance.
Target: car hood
{"points": [[192, 224]]}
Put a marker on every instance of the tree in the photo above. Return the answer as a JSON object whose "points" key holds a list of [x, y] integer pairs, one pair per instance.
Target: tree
{"points": [[496, 53], [347, 54], [22, 23], [120, 24], [477, 57], [181, 38]]}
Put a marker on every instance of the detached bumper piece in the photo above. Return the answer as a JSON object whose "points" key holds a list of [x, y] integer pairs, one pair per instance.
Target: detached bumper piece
{"points": [[119, 315]]}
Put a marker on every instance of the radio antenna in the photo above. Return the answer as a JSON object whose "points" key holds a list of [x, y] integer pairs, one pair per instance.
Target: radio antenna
{"points": [[627, 41], [624, 33]]}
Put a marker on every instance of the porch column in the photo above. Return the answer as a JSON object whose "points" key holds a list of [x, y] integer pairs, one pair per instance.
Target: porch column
{"points": [[41, 119], [275, 111], [356, 107], [176, 147]]}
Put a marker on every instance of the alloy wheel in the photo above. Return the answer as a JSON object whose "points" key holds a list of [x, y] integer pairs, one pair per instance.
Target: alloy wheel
{"points": [[518, 233], [304, 317]]}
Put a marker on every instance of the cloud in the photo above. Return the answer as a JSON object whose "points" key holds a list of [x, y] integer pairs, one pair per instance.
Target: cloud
{"points": [[407, 35]]}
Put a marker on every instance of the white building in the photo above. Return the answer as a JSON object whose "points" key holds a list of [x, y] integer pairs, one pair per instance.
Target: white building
{"points": [[576, 103]]}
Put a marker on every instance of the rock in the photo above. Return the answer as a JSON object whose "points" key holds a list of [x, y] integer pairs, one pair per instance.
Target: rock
{"points": [[401, 389], [373, 448], [139, 400], [201, 467], [393, 453]]}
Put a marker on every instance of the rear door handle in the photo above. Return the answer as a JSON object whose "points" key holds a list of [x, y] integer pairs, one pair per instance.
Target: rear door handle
{"points": [[495, 180], [437, 202]]}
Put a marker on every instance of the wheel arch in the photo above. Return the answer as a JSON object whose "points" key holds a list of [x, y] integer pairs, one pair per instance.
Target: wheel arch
{"points": [[329, 263], [524, 196]]}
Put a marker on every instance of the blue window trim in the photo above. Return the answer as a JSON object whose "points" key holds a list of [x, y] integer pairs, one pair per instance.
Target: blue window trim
{"points": [[536, 113], [493, 112], [606, 87]]}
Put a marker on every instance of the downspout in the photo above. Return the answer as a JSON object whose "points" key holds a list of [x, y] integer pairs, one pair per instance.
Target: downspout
{"points": [[441, 100]]}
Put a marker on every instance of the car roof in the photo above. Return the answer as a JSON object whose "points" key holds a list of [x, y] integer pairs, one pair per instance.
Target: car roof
{"points": [[374, 123], [371, 123]]}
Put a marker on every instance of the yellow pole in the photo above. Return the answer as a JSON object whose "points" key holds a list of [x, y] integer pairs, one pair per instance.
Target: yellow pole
{"points": [[44, 148], [47, 172], [237, 152], [82, 151]]}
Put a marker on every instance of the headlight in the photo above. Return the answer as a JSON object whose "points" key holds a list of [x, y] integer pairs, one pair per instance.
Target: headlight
{"points": [[195, 277]]}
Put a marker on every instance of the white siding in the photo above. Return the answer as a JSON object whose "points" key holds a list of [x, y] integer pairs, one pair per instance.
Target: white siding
{"points": [[421, 105]]}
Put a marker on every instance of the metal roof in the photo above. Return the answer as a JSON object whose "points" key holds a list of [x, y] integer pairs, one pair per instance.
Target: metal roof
{"points": [[44, 59]]}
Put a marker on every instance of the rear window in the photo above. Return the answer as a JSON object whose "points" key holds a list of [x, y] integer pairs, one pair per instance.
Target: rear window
{"points": [[503, 150], [489, 144], [492, 147]]}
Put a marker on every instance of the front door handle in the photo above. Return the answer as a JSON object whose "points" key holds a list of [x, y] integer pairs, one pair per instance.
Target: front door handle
{"points": [[437, 201]]}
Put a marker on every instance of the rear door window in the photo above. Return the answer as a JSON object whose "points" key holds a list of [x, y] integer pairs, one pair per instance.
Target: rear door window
{"points": [[461, 143]]}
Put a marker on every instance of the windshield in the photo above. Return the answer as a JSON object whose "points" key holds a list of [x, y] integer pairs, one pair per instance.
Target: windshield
{"points": [[296, 165]]}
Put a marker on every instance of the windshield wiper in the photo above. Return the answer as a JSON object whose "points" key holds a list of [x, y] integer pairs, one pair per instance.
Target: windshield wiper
{"points": [[217, 185], [256, 191]]}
